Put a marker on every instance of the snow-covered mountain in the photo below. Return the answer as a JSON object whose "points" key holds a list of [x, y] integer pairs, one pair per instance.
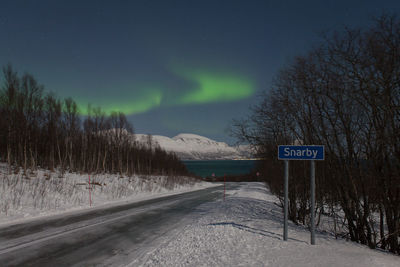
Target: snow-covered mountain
{"points": [[195, 147]]}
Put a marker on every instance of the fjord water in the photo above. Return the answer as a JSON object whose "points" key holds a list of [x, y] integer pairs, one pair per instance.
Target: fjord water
{"points": [[205, 168]]}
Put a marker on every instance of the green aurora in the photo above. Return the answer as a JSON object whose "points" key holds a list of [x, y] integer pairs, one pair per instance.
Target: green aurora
{"points": [[135, 105], [208, 87], [216, 88]]}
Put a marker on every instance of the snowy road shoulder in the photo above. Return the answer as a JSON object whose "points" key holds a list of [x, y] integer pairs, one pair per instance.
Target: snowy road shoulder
{"points": [[246, 230], [45, 194]]}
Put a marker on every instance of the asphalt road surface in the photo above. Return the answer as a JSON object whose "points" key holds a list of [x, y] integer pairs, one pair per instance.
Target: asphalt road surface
{"points": [[119, 235]]}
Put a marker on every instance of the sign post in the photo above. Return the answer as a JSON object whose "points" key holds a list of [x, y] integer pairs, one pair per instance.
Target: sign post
{"points": [[286, 207], [90, 193], [311, 153], [224, 185], [312, 189]]}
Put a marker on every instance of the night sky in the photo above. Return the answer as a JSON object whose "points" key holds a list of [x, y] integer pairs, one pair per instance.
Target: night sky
{"points": [[171, 66]]}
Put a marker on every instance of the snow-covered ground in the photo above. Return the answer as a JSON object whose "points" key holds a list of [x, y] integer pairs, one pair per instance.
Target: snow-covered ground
{"points": [[45, 193], [246, 230]]}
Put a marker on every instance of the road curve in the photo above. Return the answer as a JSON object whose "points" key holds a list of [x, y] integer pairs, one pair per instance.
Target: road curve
{"points": [[101, 237]]}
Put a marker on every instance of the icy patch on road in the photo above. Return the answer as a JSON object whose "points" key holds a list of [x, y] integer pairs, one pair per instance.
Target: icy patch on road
{"points": [[246, 230]]}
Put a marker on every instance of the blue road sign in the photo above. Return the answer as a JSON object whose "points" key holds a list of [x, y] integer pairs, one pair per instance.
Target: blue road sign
{"points": [[301, 152]]}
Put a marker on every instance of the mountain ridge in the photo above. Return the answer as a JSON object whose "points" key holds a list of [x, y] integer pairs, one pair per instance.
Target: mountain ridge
{"points": [[189, 146]]}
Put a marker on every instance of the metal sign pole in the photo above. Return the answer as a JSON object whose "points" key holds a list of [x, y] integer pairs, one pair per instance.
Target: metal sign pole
{"points": [[312, 188], [286, 208], [224, 185], [90, 193], [312, 153]]}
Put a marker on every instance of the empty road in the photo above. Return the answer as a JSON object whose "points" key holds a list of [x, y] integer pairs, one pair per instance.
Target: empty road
{"points": [[119, 235]]}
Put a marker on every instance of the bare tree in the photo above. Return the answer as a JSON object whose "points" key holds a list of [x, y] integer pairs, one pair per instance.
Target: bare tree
{"points": [[343, 94], [39, 129]]}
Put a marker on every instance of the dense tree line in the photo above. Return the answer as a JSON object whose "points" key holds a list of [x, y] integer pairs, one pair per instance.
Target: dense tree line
{"points": [[38, 129], [344, 94]]}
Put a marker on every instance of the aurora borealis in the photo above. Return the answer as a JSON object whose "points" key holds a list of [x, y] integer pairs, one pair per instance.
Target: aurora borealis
{"points": [[147, 100], [171, 66], [216, 88], [206, 87]]}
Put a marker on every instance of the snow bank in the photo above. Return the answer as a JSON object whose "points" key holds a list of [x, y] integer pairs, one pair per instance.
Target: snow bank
{"points": [[246, 230], [45, 193]]}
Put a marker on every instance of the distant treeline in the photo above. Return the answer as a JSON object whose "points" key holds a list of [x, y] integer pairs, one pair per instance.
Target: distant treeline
{"points": [[344, 94], [37, 129]]}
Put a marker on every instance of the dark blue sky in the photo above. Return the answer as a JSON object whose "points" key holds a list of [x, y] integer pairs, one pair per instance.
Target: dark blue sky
{"points": [[173, 66]]}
